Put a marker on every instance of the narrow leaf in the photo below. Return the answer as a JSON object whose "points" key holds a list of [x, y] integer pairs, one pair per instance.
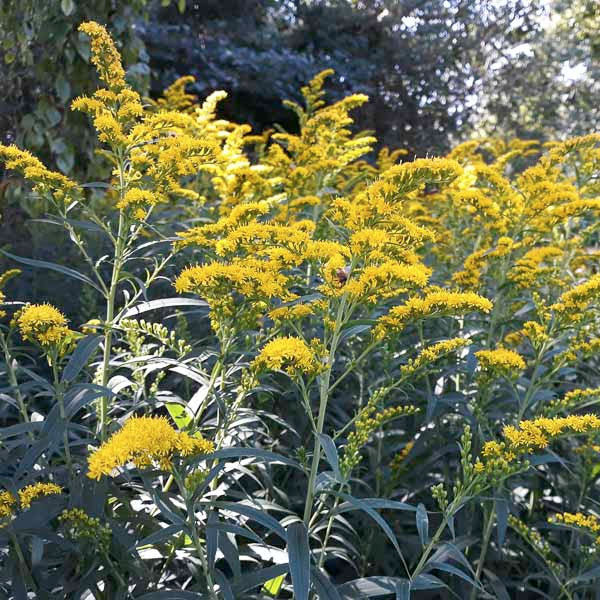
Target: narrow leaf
{"points": [[84, 351], [331, 454], [42, 264], [299, 555], [422, 524], [164, 303]]}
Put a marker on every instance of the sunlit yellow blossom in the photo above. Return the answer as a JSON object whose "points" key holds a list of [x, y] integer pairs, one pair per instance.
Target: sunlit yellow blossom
{"points": [[536, 434], [433, 352], [578, 298], [295, 311], [384, 281], [289, 354], [30, 492], [138, 200], [252, 278], [589, 523], [574, 399], [46, 181], [500, 360], [42, 323], [529, 270], [144, 441], [438, 303]]}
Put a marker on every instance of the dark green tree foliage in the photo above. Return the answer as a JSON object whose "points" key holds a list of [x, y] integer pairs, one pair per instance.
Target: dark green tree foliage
{"points": [[420, 62], [44, 65]]}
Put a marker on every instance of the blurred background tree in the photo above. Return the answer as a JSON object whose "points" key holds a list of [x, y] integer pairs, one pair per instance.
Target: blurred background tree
{"points": [[547, 86]]}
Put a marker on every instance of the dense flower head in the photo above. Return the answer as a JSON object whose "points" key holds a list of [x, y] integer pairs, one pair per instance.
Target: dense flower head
{"points": [[574, 399], [589, 524], [375, 282], [289, 354], [7, 504], [500, 360], [144, 441], [574, 301], [42, 323]]}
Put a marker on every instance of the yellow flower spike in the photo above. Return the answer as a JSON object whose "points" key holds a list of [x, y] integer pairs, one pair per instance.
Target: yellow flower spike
{"points": [[289, 354], [537, 433], [36, 490], [42, 323], [436, 303], [144, 441], [432, 353], [576, 300], [45, 181], [105, 56]]}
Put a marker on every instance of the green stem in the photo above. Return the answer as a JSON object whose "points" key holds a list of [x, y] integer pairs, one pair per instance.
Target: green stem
{"points": [[487, 534], [191, 520], [328, 532], [60, 398], [323, 399], [12, 378], [27, 576], [108, 325]]}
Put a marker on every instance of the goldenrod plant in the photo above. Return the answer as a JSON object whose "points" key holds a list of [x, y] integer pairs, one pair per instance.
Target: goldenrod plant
{"points": [[314, 371]]}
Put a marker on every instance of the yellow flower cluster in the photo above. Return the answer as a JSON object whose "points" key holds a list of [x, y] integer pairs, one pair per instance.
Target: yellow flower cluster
{"points": [[573, 399], [42, 323], [573, 302], [537, 433], [26, 496], [7, 503], [60, 187], [589, 523], [432, 353], [289, 354], [434, 304], [144, 441], [500, 360], [31, 492]]}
